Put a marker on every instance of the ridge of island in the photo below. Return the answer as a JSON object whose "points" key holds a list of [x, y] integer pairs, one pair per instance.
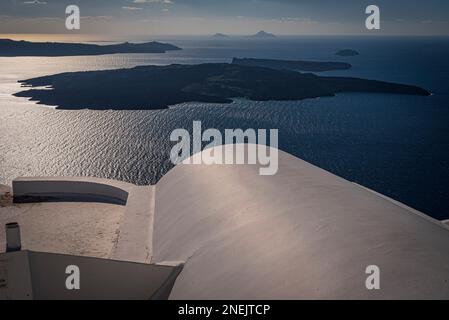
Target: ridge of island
{"points": [[11, 48], [299, 65], [157, 87]]}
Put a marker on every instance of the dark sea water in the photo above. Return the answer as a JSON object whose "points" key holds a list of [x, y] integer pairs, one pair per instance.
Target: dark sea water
{"points": [[396, 145]]}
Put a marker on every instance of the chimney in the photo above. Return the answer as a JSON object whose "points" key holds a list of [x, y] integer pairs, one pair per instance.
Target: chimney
{"points": [[13, 242]]}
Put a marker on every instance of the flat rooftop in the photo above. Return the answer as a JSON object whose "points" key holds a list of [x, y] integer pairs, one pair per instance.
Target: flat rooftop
{"points": [[75, 228]]}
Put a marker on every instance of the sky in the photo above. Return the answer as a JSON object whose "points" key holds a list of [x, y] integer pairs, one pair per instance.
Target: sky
{"points": [[234, 17]]}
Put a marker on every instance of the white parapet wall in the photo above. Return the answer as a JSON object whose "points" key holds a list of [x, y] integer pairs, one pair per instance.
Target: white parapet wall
{"points": [[302, 233], [71, 188], [135, 238], [42, 276]]}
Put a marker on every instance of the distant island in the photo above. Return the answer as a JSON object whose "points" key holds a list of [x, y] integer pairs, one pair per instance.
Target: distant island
{"points": [[221, 35], [157, 87], [11, 48], [312, 66], [263, 35], [347, 53]]}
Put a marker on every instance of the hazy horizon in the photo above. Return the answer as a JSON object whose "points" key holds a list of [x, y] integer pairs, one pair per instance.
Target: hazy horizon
{"points": [[118, 18], [37, 37]]}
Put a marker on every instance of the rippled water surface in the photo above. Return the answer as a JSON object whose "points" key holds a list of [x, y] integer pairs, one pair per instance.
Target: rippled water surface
{"points": [[397, 145]]}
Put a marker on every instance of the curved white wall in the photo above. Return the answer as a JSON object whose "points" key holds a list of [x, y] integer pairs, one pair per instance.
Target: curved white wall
{"points": [[73, 188], [302, 233]]}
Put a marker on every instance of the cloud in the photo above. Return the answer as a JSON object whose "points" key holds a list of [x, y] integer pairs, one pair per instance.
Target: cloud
{"points": [[96, 18], [430, 21], [131, 8], [154, 1], [35, 2], [296, 20]]}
